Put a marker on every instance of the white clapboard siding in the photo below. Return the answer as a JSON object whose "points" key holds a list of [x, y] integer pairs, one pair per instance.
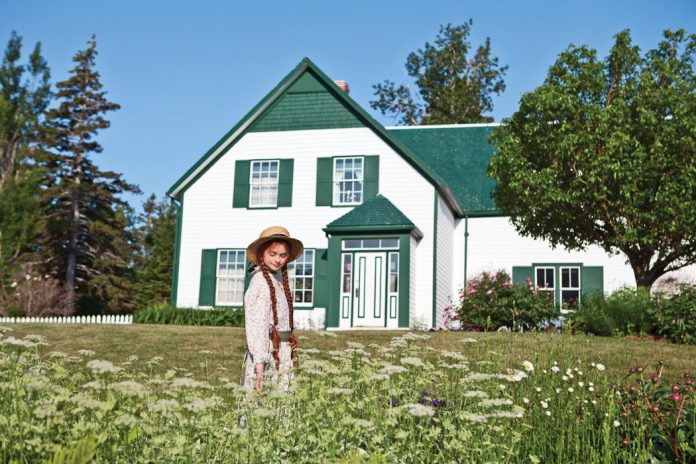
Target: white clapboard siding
{"points": [[99, 319], [210, 222], [445, 232]]}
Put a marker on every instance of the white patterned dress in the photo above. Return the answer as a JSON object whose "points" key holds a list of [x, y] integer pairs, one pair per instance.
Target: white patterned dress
{"points": [[258, 319]]}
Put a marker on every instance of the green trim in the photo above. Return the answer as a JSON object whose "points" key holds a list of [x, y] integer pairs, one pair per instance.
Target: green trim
{"points": [[370, 177], [466, 249], [404, 281], [484, 214], [333, 276], [306, 65], [177, 250], [286, 169], [374, 229], [324, 185], [381, 288], [208, 281], [435, 219], [240, 194]]}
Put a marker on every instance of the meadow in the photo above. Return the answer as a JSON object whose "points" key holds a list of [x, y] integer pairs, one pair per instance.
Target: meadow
{"points": [[140, 393]]}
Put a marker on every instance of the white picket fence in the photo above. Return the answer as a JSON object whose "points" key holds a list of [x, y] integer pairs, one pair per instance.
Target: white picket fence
{"points": [[100, 319]]}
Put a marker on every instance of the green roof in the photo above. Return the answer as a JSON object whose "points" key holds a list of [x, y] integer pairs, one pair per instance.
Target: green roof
{"points": [[375, 214], [459, 154]]}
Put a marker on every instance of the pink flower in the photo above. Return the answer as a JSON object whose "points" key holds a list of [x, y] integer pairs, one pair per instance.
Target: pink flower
{"points": [[445, 320], [517, 314], [489, 292], [506, 283], [528, 280], [675, 396], [471, 292]]}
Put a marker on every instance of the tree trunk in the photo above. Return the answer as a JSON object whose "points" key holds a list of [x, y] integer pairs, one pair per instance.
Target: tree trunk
{"points": [[644, 275]]}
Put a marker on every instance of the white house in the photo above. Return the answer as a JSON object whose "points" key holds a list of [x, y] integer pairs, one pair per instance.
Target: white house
{"points": [[393, 219]]}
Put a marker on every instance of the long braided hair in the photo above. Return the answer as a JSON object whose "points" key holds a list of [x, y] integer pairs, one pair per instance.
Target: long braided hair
{"points": [[273, 332]]}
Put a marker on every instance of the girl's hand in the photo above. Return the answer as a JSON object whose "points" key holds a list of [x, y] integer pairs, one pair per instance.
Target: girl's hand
{"points": [[259, 377]]}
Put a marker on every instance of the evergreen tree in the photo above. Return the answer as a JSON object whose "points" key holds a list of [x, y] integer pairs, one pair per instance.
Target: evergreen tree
{"points": [[453, 87], [24, 95], [155, 260], [88, 222]]}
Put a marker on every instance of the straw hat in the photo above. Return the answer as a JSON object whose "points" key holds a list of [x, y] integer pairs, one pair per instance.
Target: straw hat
{"points": [[275, 233]]}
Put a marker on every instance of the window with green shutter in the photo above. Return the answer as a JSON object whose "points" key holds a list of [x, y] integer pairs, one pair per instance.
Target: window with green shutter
{"points": [[569, 282], [206, 290], [263, 183], [347, 180]]}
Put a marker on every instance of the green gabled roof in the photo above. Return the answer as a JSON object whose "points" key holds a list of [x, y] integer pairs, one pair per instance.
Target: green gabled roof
{"points": [[308, 78], [460, 155], [377, 214]]}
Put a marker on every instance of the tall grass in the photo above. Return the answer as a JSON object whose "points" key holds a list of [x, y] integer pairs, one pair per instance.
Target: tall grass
{"points": [[221, 317]]}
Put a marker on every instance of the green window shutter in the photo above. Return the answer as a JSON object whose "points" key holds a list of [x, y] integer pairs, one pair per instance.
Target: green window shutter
{"points": [[324, 181], [592, 280], [321, 289], [285, 182], [520, 274], [240, 197], [371, 177], [206, 291]]}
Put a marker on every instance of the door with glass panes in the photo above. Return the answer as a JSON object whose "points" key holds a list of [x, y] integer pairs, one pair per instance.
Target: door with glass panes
{"points": [[369, 283]]}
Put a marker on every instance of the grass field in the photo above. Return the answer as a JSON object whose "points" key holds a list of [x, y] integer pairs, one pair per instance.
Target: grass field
{"points": [[179, 346], [152, 393]]}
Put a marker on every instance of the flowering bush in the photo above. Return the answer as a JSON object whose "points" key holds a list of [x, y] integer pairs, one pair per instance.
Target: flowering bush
{"points": [[491, 301], [675, 316]]}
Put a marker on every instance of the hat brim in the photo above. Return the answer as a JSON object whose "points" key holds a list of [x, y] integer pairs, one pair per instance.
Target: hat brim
{"points": [[296, 247]]}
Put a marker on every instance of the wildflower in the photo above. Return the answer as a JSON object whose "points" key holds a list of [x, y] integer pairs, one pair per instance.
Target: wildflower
{"points": [[495, 402], [570, 389], [205, 352], [538, 389], [675, 396], [544, 405], [125, 420], [310, 350], [600, 367], [100, 366], [555, 368], [475, 394], [419, 410], [389, 369], [468, 340], [471, 417], [581, 384], [362, 423], [489, 292], [378, 377], [548, 413], [413, 361], [129, 388], [16, 342], [617, 423], [164, 406], [86, 353], [525, 400]]}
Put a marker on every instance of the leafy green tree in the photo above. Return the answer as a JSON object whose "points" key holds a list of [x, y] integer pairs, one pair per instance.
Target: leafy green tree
{"points": [[88, 222], [25, 93], [604, 153], [155, 261], [455, 83]]}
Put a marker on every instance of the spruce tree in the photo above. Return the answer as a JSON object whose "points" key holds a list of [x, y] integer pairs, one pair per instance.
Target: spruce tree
{"points": [[88, 222], [155, 260]]}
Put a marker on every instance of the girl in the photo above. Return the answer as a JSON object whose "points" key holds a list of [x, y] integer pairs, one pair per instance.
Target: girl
{"points": [[268, 309]]}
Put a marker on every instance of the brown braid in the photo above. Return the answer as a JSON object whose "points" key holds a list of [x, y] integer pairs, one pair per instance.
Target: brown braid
{"points": [[273, 332], [288, 297]]}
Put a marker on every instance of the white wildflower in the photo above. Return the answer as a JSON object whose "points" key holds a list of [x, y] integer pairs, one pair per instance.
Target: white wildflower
{"points": [[389, 369], [528, 366], [125, 420], [419, 410], [525, 400], [413, 361], [164, 406], [205, 352], [86, 353], [339, 391], [472, 417], [548, 413], [495, 402], [555, 368], [544, 405], [570, 389], [600, 367], [475, 394], [263, 412], [617, 423], [468, 340], [129, 388], [101, 366]]}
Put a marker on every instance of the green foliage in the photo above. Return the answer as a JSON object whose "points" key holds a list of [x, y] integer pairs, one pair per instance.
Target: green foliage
{"points": [[491, 301], [603, 153], [455, 83], [666, 412], [627, 311], [90, 227], [154, 263], [675, 316], [221, 317], [25, 93]]}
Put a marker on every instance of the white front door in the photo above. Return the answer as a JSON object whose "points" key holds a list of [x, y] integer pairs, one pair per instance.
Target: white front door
{"points": [[369, 286]]}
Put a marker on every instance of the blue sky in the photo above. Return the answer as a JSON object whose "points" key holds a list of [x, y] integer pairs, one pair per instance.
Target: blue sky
{"points": [[185, 72]]}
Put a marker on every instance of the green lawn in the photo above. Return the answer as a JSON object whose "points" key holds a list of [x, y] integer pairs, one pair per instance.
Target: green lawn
{"points": [[179, 346]]}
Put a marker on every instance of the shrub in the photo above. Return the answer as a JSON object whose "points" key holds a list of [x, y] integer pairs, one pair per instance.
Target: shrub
{"points": [[675, 316], [627, 311], [491, 301], [223, 317]]}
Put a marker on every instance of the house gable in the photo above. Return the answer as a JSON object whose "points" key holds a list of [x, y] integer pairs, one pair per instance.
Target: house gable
{"points": [[291, 97]]}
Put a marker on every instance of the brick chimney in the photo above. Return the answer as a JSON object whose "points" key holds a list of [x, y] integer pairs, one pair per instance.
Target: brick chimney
{"points": [[343, 85]]}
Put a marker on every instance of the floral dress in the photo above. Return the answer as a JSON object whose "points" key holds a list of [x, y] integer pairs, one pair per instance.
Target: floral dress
{"points": [[258, 319]]}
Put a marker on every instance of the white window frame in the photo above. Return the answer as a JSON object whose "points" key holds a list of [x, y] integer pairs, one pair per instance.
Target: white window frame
{"points": [[312, 277], [361, 246], [571, 288], [336, 181], [536, 282], [239, 279], [263, 184]]}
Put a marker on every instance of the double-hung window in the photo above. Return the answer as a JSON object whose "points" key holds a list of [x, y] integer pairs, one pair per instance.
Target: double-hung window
{"points": [[348, 177], [230, 278], [301, 276], [545, 279], [570, 285], [263, 184]]}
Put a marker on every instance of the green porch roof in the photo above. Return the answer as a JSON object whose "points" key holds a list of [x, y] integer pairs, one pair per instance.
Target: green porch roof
{"points": [[377, 214], [459, 154]]}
